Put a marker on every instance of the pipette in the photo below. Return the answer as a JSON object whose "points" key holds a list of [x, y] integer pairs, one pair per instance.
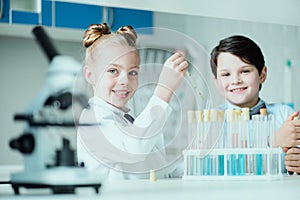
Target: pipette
{"points": [[194, 85]]}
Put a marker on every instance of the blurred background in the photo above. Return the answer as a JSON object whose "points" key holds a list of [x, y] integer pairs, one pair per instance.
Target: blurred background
{"points": [[275, 26]]}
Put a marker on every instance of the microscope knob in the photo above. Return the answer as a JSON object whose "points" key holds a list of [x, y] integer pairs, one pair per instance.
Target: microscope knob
{"points": [[25, 143], [66, 155]]}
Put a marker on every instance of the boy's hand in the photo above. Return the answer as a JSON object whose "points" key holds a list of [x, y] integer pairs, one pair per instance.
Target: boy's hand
{"points": [[292, 160], [289, 133], [171, 76]]}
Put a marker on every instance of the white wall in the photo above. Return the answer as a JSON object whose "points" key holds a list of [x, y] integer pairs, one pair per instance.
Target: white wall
{"points": [[23, 65], [23, 68]]}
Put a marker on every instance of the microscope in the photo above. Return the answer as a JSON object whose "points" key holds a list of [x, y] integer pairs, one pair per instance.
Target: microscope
{"points": [[48, 142]]}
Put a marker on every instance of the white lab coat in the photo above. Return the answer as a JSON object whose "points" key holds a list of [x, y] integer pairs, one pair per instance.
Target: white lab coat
{"points": [[107, 143]]}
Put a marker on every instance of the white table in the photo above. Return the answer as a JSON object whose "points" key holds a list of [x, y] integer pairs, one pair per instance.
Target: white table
{"points": [[287, 188]]}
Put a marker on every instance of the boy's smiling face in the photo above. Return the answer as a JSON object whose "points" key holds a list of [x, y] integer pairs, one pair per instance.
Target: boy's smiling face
{"points": [[238, 81]]}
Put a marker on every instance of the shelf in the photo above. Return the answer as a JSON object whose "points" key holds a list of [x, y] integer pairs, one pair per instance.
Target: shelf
{"points": [[62, 34], [24, 31], [267, 11]]}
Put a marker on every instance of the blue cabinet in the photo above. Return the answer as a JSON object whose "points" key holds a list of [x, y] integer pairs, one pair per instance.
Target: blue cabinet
{"points": [[18, 15], [5, 4], [24, 17], [80, 16], [47, 10], [75, 15], [135, 18]]}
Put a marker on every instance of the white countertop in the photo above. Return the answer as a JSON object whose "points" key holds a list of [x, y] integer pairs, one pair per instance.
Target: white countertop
{"points": [[286, 188]]}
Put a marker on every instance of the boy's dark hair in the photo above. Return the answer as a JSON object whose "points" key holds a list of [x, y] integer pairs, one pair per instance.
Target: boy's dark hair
{"points": [[246, 49]]}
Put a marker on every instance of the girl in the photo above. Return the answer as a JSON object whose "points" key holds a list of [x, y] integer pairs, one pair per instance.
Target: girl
{"points": [[114, 144]]}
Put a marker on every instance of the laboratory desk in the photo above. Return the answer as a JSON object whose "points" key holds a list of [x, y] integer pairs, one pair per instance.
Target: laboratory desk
{"points": [[286, 188]]}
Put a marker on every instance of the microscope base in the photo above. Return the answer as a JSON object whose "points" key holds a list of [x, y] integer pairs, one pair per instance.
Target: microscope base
{"points": [[61, 180]]}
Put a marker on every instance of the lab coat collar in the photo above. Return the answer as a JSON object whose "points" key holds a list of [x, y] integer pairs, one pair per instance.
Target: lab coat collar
{"points": [[96, 101]]}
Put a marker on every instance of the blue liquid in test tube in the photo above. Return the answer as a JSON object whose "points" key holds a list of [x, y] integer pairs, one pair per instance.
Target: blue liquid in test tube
{"points": [[259, 165], [221, 165], [233, 164], [207, 165], [241, 164]]}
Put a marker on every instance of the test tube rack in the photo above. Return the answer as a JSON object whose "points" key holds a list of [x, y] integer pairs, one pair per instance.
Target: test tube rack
{"points": [[235, 164], [228, 145]]}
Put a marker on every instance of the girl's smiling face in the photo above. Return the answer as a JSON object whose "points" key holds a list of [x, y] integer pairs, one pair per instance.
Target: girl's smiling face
{"points": [[115, 76], [238, 81]]}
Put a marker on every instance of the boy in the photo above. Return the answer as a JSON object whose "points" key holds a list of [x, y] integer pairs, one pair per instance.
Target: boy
{"points": [[239, 71]]}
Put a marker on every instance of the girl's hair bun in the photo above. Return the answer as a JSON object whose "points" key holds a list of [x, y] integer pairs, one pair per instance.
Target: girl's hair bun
{"points": [[94, 32], [129, 33]]}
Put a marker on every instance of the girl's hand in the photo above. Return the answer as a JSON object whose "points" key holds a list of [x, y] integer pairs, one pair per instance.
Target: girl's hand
{"points": [[289, 133], [292, 160], [177, 63], [171, 76]]}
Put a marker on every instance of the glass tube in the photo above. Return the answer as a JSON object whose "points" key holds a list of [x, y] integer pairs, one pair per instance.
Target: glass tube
{"points": [[221, 142], [229, 133], [207, 144]]}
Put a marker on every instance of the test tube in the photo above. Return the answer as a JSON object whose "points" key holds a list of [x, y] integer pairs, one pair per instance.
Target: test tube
{"points": [[245, 123], [191, 128], [207, 145], [206, 119], [264, 128], [221, 141], [199, 133], [229, 131], [198, 141], [264, 138], [255, 144], [214, 139], [236, 141], [274, 161], [191, 122], [243, 131]]}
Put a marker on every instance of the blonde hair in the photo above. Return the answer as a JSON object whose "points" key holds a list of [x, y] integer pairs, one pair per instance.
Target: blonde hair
{"points": [[97, 36]]}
